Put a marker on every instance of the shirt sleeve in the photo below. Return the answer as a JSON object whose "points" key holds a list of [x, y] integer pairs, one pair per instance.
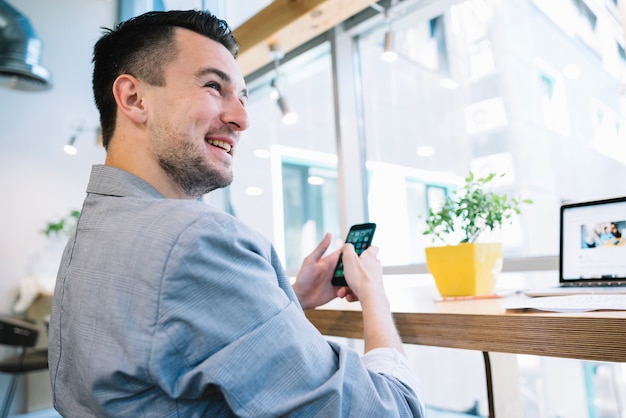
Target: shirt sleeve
{"points": [[390, 362]]}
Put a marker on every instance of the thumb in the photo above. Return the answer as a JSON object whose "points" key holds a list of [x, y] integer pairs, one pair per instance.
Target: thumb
{"points": [[349, 256]]}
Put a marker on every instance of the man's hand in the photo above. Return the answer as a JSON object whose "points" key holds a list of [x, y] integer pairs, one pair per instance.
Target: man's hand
{"points": [[313, 286], [364, 274]]}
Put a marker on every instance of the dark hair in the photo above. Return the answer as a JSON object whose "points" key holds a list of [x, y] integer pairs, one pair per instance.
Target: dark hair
{"points": [[140, 47]]}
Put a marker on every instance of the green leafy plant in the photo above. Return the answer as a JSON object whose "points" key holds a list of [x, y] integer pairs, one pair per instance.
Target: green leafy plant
{"points": [[63, 227], [470, 210]]}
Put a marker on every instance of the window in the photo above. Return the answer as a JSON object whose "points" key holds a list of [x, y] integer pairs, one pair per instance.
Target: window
{"points": [[609, 135], [471, 90], [620, 52], [586, 25], [525, 113], [554, 102], [310, 206], [285, 164]]}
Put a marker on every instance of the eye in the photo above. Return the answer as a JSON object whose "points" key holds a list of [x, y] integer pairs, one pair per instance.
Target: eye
{"points": [[214, 85]]}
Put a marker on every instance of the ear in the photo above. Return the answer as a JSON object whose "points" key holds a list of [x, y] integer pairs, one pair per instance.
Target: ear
{"points": [[127, 91]]}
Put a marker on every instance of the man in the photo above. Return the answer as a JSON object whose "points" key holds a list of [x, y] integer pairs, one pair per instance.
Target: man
{"points": [[167, 307]]}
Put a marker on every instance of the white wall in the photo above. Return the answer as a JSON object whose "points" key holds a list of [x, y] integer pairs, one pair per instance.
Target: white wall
{"points": [[38, 181]]}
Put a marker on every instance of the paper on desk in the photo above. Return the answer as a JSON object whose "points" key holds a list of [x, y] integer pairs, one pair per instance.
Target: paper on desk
{"points": [[570, 303]]}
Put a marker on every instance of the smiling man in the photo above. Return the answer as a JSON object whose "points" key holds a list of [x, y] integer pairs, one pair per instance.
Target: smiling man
{"points": [[188, 119], [167, 307]]}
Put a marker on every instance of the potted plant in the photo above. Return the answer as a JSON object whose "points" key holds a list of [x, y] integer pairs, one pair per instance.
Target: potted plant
{"points": [[465, 267], [64, 227], [38, 282]]}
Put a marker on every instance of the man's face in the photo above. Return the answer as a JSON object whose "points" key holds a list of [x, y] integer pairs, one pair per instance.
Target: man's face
{"points": [[196, 118]]}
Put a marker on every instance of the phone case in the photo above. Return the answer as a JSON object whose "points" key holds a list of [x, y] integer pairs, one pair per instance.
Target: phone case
{"points": [[360, 236]]}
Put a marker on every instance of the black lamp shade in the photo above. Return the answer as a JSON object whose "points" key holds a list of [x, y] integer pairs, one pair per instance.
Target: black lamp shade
{"points": [[20, 50]]}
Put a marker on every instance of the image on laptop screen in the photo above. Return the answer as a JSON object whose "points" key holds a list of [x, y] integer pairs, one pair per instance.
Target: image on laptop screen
{"points": [[593, 241]]}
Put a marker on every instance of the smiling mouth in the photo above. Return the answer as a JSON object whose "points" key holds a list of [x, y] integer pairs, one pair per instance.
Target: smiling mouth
{"points": [[220, 144]]}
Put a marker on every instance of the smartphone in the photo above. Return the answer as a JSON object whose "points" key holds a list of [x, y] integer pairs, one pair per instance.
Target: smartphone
{"points": [[361, 237]]}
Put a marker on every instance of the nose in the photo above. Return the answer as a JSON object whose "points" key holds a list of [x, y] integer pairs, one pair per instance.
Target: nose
{"points": [[235, 115]]}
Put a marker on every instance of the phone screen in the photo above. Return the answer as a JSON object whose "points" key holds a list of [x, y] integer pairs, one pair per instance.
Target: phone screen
{"points": [[361, 237]]}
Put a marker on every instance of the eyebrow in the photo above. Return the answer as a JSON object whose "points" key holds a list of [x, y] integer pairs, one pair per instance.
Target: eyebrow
{"points": [[221, 74]]}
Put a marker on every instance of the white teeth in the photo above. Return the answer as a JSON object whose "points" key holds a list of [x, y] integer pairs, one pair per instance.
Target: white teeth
{"points": [[224, 145]]}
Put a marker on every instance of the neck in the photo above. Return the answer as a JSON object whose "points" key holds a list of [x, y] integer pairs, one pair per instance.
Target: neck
{"points": [[140, 162]]}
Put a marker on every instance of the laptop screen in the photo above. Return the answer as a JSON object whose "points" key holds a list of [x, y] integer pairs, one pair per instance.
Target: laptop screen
{"points": [[593, 244]]}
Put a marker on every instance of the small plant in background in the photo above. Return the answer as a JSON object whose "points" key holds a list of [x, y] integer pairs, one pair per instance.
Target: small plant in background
{"points": [[470, 210], [63, 227]]}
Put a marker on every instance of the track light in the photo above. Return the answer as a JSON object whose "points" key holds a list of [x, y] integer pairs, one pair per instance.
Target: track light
{"points": [[69, 148], [389, 53], [289, 116]]}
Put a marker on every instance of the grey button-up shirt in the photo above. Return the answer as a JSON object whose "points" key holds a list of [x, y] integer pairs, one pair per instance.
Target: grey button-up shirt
{"points": [[171, 308]]}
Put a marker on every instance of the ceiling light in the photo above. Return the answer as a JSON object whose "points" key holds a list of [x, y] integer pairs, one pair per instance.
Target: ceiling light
{"points": [[448, 83], [315, 180], [389, 53], [261, 153], [254, 191], [19, 55], [289, 116], [425, 151], [69, 148]]}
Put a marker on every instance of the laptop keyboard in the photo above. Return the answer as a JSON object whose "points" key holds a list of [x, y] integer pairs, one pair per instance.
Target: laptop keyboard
{"points": [[570, 303], [594, 290]]}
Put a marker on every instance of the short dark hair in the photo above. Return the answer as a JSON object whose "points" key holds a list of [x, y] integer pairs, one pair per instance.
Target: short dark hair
{"points": [[140, 47]]}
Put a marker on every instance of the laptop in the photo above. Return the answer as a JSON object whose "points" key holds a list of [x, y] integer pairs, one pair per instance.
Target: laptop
{"points": [[592, 249]]}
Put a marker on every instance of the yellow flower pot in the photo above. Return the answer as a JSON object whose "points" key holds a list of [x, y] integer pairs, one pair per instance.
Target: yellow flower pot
{"points": [[465, 269]]}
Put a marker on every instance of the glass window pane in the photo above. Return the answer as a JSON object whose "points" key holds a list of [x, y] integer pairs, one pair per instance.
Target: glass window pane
{"points": [[505, 86], [573, 388], [291, 169], [232, 12]]}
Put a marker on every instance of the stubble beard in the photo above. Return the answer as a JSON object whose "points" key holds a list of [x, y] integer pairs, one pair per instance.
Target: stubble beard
{"points": [[187, 166]]}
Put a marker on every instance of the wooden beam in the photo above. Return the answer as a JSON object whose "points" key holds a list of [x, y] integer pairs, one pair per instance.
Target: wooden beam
{"points": [[289, 24]]}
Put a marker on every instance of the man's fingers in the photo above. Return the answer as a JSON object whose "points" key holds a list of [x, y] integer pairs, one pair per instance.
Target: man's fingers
{"points": [[321, 248]]}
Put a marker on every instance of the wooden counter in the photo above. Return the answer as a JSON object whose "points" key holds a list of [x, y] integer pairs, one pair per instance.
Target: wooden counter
{"points": [[484, 325]]}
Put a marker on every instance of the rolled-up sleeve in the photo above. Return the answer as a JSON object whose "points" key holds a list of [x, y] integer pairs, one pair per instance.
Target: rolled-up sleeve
{"points": [[390, 362]]}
